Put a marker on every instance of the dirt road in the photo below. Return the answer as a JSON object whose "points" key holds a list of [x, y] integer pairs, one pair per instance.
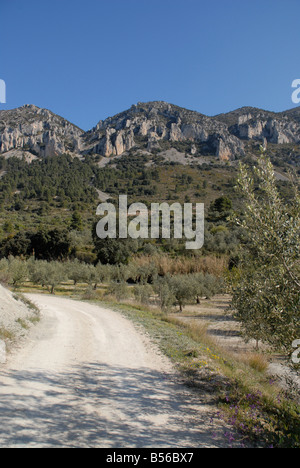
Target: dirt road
{"points": [[87, 378]]}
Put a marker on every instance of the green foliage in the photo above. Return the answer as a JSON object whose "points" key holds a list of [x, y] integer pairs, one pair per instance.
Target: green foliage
{"points": [[44, 179], [205, 286], [144, 274], [222, 240], [37, 271], [44, 244], [113, 251], [220, 209], [55, 275], [222, 204], [18, 271], [100, 273], [143, 294], [50, 245], [268, 422], [49, 274], [266, 286], [18, 245], [181, 290], [4, 272], [76, 222], [78, 272], [165, 293], [118, 290], [59, 192], [13, 271]]}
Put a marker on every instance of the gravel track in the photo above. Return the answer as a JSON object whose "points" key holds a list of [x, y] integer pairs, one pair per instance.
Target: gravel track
{"points": [[86, 377]]}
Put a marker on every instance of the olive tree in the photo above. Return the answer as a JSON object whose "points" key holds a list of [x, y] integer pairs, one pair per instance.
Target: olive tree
{"points": [[183, 290], [266, 285], [78, 272], [55, 274], [18, 271], [165, 293]]}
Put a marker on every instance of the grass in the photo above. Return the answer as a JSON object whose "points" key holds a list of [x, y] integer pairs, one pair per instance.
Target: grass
{"points": [[175, 344], [256, 361], [9, 337], [6, 335], [258, 410], [30, 305], [165, 264], [23, 323]]}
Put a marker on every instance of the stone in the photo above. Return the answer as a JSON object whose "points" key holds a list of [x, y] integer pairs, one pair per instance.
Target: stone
{"points": [[42, 133]]}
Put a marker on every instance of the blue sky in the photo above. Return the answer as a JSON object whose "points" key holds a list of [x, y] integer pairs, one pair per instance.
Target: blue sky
{"points": [[87, 60]]}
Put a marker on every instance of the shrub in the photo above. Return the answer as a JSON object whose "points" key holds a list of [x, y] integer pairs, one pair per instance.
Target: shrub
{"points": [[78, 272], [18, 271], [4, 272], [143, 294], [165, 293], [266, 285], [118, 290]]}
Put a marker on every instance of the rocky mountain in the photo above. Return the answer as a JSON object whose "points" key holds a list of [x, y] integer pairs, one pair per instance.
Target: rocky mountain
{"points": [[255, 124], [151, 127], [147, 125], [37, 131]]}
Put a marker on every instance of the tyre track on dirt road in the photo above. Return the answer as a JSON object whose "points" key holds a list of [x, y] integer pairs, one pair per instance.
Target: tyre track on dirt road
{"points": [[86, 377]]}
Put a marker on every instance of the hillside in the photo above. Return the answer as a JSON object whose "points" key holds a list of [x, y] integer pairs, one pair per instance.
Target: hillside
{"points": [[52, 174], [151, 127]]}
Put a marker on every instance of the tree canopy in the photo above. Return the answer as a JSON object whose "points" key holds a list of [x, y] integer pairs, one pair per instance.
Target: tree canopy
{"points": [[266, 285]]}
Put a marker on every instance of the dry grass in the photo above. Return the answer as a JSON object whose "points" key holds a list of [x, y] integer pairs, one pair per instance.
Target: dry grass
{"points": [[256, 361], [184, 265], [6, 334], [196, 331]]}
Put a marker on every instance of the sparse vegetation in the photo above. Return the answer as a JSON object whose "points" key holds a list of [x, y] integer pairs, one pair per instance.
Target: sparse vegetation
{"points": [[266, 285], [159, 282]]}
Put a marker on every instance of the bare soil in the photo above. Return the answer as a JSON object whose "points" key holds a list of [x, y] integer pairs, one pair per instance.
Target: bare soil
{"points": [[86, 377]]}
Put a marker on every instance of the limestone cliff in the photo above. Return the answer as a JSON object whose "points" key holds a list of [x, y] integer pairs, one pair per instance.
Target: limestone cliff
{"points": [[152, 127], [146, 125], [255, 124], [37, 131]]}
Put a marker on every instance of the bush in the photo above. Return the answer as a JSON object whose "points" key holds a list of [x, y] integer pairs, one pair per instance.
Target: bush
{"points": [[165, 293], [47, 245], [143, 294], [56, 275], [49, 274], [18, 271], [79, 272], [100, 274], [144, 273], [183, 289], [118, 290], [4, 273], [266, 285], [113, 251]]}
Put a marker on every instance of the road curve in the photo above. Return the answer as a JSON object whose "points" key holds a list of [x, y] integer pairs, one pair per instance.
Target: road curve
{"points": [[86, 377]]}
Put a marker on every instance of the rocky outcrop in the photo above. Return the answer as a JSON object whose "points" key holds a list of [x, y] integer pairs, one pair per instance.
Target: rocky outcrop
{"points": [[38, 131], [270, 127], [113, 142], [152, 127], [273, 130], [146, 125]]}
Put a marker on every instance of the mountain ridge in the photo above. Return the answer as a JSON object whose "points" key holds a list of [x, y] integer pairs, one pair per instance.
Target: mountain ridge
{"points": [[149, 127]]}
